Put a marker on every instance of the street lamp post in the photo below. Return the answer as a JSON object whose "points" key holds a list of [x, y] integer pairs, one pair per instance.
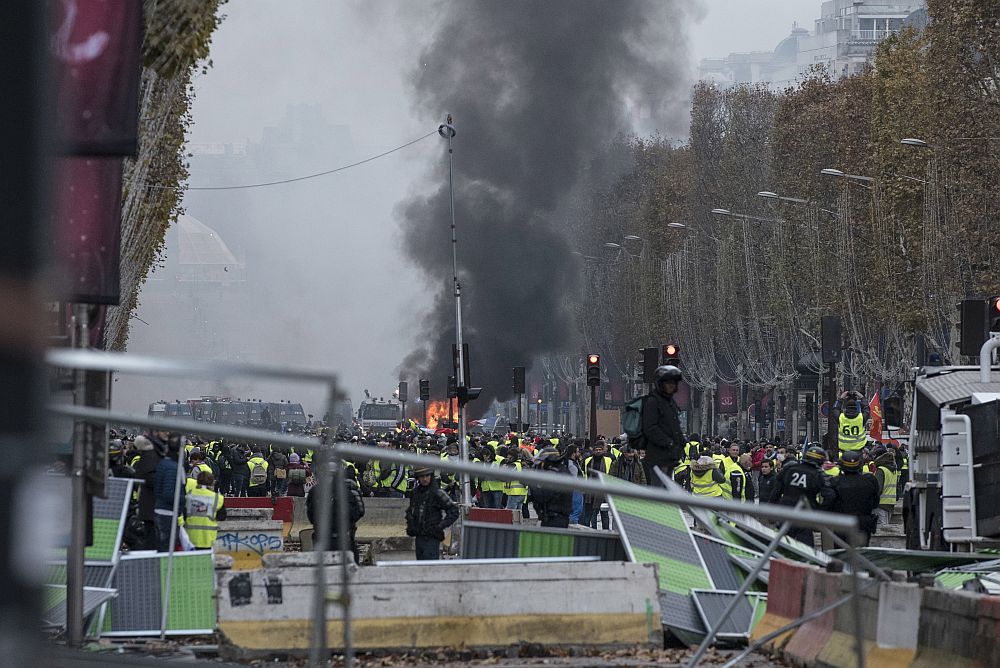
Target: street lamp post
{"points": [[447, 130]]}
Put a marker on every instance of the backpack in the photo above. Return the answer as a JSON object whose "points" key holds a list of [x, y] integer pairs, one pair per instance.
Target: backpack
{"points": [[632, 420], [258, 474], [297, 476]]}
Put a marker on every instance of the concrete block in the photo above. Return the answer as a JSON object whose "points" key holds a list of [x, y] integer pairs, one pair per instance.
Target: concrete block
{"points": [[604, 604], [246, 541], [948, 621], [249, 514], [821, 589], [898, 616], [301, 559], [840, 651], [383, 517], [986, 645], [784, 600]]}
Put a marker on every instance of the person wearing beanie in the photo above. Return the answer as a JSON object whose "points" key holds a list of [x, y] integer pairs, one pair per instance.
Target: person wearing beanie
{"points": [[298, 474]]}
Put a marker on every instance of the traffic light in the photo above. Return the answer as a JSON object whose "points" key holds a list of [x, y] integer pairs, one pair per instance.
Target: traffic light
{"points": [[994, 315], [518, 380], [452, 387], [832, 339], [593, 370], [467, 394], [647, 364], [671, 354], [425, 390], [973, 325], [403, 391], [809, 407]]}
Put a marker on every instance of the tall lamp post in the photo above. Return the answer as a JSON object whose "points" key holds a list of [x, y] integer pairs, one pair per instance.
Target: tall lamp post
{"points": [[447, 130]]}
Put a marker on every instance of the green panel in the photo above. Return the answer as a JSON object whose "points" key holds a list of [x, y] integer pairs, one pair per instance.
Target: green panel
{"points": [[675, 576], [105, 540], [660, 513], [57, 574], [192, 592], [53, 596], [953, 579], [537, 544]]}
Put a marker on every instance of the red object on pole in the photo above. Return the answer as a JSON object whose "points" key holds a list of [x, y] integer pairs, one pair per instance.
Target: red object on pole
{"points": [[875, 407]]}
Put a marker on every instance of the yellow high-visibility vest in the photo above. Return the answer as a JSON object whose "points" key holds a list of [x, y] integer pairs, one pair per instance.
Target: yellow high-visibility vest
{"points": [[851, 432], [202, 505], [703, 483], [888, 497]]}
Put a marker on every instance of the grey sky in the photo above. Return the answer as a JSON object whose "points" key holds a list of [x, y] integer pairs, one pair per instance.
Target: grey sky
{"points": [[332, 245]]}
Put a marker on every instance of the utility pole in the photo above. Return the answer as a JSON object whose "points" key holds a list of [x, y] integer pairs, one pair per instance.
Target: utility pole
{"points": [[447, 130]]}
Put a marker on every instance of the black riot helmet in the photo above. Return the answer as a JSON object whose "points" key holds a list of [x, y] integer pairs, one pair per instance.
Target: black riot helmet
{"points": [[814, 455], [668, 373], [850, 460]]}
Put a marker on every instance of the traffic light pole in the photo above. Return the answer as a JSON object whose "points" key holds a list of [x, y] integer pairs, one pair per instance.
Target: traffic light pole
{"points": [[447, 130], [593, 415], [831, 398]]}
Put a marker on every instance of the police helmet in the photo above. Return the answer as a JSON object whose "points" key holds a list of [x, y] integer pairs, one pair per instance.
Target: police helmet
{"points": [[850, 460], [668, 373], [549, 454], [815, 455]]}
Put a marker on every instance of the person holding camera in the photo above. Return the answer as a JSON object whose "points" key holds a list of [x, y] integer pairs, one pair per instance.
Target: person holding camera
{"points": [[849, 411]]}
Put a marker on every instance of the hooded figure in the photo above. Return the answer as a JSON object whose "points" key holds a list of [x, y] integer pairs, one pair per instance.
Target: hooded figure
{"points": [[661, 425]]}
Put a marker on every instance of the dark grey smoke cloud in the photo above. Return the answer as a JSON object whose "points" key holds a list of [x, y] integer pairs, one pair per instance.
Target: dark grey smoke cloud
{"points": [[537, 89]]}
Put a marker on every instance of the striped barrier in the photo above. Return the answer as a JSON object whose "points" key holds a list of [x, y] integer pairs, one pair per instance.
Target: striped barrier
{"points": [[821, 589], [785, 597]]}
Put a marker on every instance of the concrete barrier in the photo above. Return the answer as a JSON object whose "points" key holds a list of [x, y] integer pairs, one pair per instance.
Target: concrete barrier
{"points": [[948, 626], [604, 604], [898, 626], [986, 646], [821, 589], [840, 651], [246, 541], [281, 507], [785, 596]]}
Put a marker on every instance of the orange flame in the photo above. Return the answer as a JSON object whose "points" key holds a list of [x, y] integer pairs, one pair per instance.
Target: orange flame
{"points": [[437, 411]]}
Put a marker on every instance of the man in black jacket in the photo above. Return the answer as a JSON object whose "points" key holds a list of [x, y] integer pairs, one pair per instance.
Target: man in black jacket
{"points": [[430, 512], [804, 480], [554, 506], [661, 425], [857, 494], [355, 511]]}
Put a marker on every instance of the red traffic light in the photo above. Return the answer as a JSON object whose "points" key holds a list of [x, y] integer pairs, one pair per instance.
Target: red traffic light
{"points": [[995, 306], [593, 359], [670, 349]]}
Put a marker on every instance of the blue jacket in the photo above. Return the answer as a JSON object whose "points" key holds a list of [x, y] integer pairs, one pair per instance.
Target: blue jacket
{"points": [[163, 485]]}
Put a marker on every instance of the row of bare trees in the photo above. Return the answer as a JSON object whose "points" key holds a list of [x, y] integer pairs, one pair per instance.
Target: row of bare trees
{"points": [[740, 280]]}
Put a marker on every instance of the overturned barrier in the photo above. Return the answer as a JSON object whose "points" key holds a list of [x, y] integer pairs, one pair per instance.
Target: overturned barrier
{"points": [[485, 540], [444, 604]]}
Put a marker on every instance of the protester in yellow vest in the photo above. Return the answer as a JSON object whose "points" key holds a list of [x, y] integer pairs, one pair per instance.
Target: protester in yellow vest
{"points": [[887, 477], [203, 508], [706, 479], [849, 411]]}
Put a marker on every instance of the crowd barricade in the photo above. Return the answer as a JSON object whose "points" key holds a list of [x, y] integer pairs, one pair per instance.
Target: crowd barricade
{"points": [[283, 507], [493, 515], [947, 629]]}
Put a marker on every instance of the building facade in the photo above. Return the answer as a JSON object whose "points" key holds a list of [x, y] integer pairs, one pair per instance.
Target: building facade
{"points": [[843, 43]]}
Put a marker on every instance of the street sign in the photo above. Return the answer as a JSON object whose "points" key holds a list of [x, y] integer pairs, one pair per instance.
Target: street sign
{"points": [[780, 422], [824, 409]]}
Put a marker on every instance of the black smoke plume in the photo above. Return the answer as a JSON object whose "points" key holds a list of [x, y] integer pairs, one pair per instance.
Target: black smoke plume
{"points": [[537, 90]]}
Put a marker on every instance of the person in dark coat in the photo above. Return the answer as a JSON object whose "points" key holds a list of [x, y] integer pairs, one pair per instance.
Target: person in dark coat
{"points": [[765, 482], [145, 470], [164, 488], [553, 506], [430, 512], [661, 425], [856, 493], [355, 511]]}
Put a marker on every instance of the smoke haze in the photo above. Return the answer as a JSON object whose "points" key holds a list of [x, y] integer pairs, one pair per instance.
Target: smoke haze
{"points": [[537, 90]]}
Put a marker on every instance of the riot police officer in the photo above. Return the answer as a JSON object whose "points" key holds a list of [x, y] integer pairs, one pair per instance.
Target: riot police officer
{"points": [[856, 493], [803, 480]]}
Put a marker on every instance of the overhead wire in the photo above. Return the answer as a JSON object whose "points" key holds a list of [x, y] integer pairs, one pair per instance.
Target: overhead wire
{"points": [[307, 176]]}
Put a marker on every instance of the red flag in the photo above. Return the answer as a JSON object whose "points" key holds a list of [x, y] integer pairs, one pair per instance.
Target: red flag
{"points": [[875, 407]]}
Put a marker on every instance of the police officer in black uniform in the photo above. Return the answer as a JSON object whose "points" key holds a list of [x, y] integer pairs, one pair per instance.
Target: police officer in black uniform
{"points": [[856, 493], [661, 425], [804, 480]]}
